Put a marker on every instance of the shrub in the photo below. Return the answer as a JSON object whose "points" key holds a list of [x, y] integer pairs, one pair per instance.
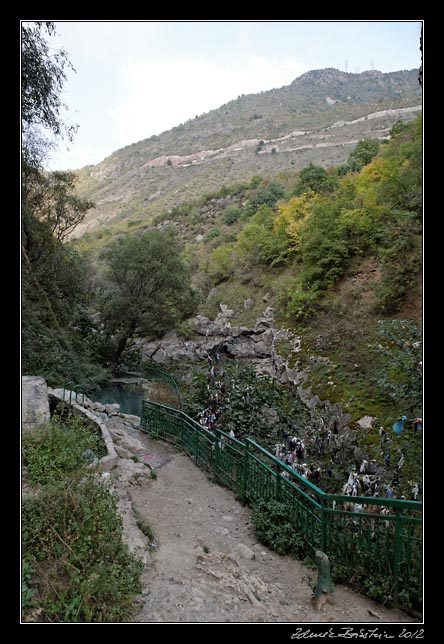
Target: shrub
{"points": [[82, 570], [212, 233], [221, 263], [275, 526], [231, 215], [75, 565]]}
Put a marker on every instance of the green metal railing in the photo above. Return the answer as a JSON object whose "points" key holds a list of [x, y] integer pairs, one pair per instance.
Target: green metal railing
{"points": [[359, 543], [76, 389]]}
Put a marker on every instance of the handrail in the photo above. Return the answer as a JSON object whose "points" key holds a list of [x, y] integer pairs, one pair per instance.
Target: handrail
{"points": [[383, 547]]}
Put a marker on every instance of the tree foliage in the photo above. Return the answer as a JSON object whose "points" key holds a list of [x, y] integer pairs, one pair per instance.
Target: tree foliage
{"points": [[362, 154], [54, 277], [260, 242], [314, 178], [43, 77], [334, 219], [150, 287]]}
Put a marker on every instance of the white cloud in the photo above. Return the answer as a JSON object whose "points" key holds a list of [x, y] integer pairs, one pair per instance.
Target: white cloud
{"points": [[161, 94]]}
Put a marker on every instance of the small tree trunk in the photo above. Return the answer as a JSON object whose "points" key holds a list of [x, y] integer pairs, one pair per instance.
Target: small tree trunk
{"points": [[126, 335], [324, 587]]}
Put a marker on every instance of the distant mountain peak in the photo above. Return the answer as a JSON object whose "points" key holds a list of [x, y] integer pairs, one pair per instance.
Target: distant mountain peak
{"points": [[333, 75]]}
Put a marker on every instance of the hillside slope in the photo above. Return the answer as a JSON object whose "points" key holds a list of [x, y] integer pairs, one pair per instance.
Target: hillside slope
{"points": [[318, 118]]}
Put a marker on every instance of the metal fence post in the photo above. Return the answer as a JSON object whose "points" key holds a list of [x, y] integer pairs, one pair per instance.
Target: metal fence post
{"points": [[324, 515], [245, 474], [397, 550], [278, 482], [182, 422], [216, 454]]}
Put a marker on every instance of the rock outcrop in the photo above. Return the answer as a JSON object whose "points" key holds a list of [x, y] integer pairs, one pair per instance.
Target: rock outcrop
{"points": [[35, 405], [256, 344]]}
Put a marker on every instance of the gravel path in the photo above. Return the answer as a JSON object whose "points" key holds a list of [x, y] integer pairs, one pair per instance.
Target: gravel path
{"points": [[207, 565]]}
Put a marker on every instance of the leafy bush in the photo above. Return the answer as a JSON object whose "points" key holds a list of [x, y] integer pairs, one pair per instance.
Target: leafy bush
{"points": [[400, 374], [75, 566], [266, 197], [212, 233], [82, 570], [221, 264], [276, 527], [297, 302], [231, 215], [260, 242], [400, 254]]}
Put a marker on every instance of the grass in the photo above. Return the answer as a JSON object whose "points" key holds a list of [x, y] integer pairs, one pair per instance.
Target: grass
{"points": [[146, 529], [60, 448], [75, 565]]}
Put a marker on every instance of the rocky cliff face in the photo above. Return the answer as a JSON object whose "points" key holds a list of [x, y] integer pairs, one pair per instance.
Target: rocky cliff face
{"points": [[255, 344]]}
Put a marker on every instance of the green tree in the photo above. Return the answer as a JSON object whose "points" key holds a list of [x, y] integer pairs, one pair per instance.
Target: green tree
{"points": [[43, 76], [221, 263], [151, 288], [260, 241], [262, 197], [363, 153], [316, 179], [231, 215], [54, 277]]}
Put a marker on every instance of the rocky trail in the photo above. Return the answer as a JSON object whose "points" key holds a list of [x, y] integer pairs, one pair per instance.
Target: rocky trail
{"points": [[203, 562]]}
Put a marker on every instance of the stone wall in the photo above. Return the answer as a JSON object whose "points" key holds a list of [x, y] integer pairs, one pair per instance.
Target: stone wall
{"points": [[108, 462]]}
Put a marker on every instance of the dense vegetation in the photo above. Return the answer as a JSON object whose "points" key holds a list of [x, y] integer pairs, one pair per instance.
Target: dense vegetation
{"points": [[369, 207], [148, 285], [250, 404], [75, 566], [54, 276], [336, 252], [334, 249]]}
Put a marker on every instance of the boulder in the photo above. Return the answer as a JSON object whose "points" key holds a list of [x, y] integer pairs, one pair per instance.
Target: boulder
{"points": [[35, 404], [113, 409], [241, 551], [264, 323], [226, 312], [243, 347], [96, 406], [366, 422], [130, 472]]}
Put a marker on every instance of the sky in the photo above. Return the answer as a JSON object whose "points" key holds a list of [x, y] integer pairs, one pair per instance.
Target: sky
{"points": [[134, 79]]}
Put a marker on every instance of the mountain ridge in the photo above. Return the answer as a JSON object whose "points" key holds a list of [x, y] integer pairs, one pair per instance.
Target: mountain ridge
{"points": [[325, 111]]}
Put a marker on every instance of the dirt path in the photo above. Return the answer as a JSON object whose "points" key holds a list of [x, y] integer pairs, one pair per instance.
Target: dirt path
{"points": [[207, 565]]}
